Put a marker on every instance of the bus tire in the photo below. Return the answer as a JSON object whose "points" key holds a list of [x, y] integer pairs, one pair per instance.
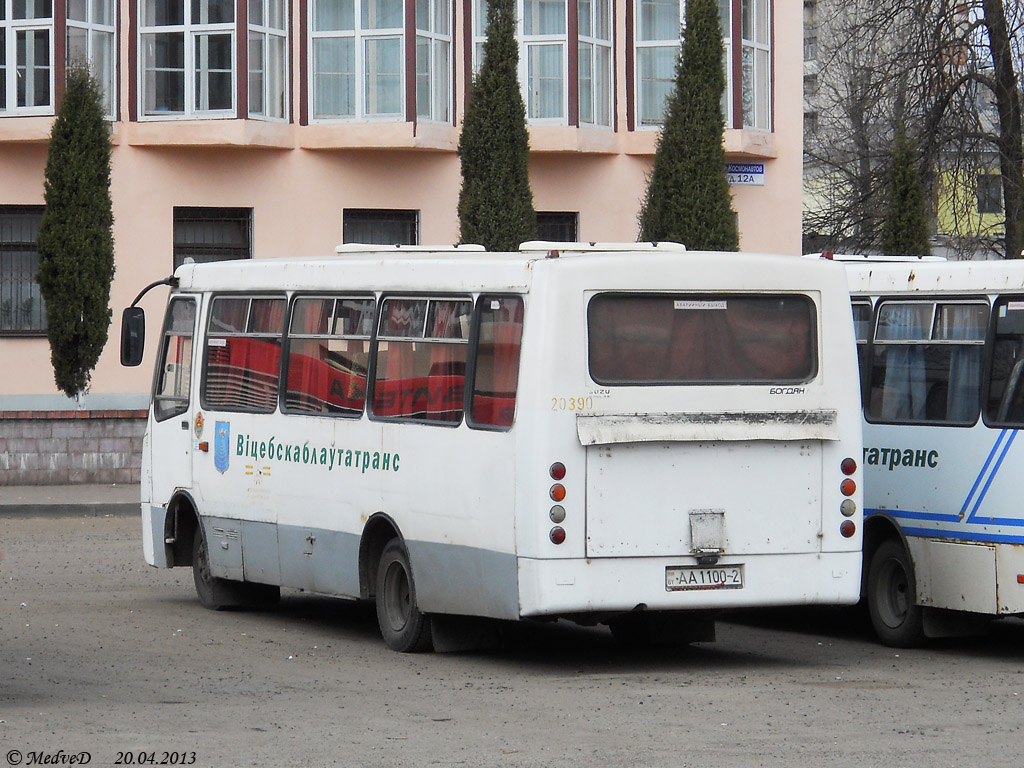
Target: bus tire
{"points": [[214, 593], [897, 620], [404, 628]]}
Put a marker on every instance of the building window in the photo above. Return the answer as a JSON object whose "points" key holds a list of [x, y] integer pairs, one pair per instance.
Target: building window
{"points": [[212, 234], [268, 59], [557, 226], [357, 51], [656, 47], [553, 93], [22, 311], [990, 193], [756, 64], [595, 61], [379, 227], [811, 47], [433, 60], [26, 57], [544, 58], [187, 51], [91, 31], [810, 122]]}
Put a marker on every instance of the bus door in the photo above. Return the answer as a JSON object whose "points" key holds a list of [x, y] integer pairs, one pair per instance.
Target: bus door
{"points": [[171, 428]]}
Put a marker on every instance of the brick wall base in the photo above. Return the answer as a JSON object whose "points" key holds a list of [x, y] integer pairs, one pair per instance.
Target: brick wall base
{"points": [[70, 447]]}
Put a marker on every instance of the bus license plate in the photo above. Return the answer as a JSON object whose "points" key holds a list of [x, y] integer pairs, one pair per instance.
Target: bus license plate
{"points": [[684, 577]]}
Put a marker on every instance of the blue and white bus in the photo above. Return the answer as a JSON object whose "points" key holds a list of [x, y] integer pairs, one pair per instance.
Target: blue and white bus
{"points": [[941, 354]]}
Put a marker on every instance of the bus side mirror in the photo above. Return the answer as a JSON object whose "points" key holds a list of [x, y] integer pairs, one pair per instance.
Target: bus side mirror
{"points": [[133, 336]]}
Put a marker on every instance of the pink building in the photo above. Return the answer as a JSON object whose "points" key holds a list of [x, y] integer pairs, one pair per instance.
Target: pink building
{"points": [[262, 128]]}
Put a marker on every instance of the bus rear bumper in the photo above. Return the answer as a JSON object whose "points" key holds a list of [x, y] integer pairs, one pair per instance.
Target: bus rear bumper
{"points": [[610, 585]]}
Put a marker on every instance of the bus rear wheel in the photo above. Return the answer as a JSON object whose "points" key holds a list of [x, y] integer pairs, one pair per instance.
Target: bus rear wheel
{"points": [[404, 628], [897, 620]]}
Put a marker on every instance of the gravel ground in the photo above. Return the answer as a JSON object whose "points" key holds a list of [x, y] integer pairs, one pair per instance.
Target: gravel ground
{"points": [[102, 654]]}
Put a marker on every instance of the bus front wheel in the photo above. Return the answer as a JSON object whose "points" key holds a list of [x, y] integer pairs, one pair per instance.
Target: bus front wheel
{"points": [[895, 616], [404, 628], [216, 593]]}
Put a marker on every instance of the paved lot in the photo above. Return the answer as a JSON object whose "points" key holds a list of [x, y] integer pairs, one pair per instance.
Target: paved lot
{"points": [[102, 654]]}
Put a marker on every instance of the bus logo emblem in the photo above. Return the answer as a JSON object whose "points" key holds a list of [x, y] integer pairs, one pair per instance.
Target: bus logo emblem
{"points": [[221, 447]]}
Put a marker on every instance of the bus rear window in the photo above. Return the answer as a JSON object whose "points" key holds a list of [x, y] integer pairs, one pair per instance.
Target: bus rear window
{"points": [[651, 339]]}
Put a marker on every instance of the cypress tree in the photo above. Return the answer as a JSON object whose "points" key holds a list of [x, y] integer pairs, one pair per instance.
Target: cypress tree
{"points": [[905, 232], [75, 243], [688, 198], [495, 202]]}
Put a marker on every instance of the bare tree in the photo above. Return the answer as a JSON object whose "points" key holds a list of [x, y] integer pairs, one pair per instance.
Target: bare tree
{"points": [[931, 65]]}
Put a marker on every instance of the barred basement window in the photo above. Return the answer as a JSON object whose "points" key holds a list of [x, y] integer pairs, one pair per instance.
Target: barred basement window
{"points": [[22, 311], [558, 226], [380, 227], [212, 234]]}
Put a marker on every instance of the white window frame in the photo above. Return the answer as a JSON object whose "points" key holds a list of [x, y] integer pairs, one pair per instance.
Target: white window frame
{"points": [[436, 37], [362, 40], [273, 80], [601, 115], [100, 37], [192, 32], [756, 41], [664, 42], [760, 50], [532, 43], [9, 31]]}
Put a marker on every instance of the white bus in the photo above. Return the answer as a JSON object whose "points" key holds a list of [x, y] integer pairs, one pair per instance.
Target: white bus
{"points": [[632, 435], [941, 351]]}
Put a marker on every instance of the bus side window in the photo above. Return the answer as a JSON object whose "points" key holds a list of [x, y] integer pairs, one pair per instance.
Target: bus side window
{"points": [[496, 375], [926, 366], [1005, 403], [420, 370], [172, 384], [243, 354], [328, 354]]}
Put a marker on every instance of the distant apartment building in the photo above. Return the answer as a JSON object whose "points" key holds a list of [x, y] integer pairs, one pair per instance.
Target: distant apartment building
{"points": [[265, 128]]}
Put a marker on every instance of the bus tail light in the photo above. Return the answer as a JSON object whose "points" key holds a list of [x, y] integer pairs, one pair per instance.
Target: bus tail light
{"points": [[849, 466], [848, 528], [557, 494], [848, 487]]}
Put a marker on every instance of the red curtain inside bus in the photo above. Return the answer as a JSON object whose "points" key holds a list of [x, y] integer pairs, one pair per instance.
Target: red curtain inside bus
{"points": [[656, 339]]}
